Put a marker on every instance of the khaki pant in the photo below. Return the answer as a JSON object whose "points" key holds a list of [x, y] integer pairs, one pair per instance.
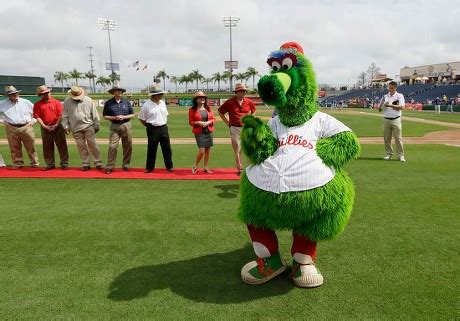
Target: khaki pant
{"points": [[86, 143], [118, 131], [50, 138], [235, 133], [393, 128], [17, 136]]}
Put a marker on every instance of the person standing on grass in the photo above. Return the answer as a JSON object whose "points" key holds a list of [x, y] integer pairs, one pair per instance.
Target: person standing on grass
{"points": [[154, 117], [19, 121], [237, 107], [48, 113], [119, 111], [437, 105], [451, 104], [201, 118], [81, 117], [392, 104]]}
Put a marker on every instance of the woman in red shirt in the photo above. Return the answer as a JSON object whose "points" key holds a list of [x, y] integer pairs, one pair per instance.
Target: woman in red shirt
{"points": [[201, 118]]}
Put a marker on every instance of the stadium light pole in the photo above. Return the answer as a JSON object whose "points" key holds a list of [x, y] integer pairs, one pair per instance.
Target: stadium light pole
{"points": [[229, 22], [92, 68], [109, 25]]}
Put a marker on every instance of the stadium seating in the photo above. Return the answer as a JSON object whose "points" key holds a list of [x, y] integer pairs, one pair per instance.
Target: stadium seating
{"points": [[418, 92]]}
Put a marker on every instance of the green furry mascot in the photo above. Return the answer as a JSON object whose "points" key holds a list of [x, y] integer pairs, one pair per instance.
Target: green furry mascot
{"points": [[296, 181]]}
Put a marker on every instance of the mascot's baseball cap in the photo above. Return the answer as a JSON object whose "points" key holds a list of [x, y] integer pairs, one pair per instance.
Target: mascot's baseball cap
{"points": [[293, 45]]}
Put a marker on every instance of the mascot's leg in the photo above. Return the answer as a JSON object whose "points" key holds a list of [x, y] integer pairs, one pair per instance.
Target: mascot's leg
{"points": [[304, 272], [269, 263]]}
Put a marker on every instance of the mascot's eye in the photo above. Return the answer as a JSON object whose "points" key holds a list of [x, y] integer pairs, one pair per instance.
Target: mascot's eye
{"points": [[276, 66], [287, 63]]}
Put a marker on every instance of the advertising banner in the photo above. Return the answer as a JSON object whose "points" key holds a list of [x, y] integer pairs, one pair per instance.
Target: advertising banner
{"points": [[185, 102]]}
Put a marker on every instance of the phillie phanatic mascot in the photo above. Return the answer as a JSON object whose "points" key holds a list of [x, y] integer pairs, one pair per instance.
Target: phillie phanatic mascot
{"points": [[296, 180]]}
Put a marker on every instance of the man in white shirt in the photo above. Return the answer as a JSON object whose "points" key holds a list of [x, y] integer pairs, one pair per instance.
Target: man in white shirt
{"points": [[392, 104], [19, 121], [154, 117]]}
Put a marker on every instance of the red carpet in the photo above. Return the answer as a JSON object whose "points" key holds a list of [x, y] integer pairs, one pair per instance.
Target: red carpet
{"points": [[133, 173]]}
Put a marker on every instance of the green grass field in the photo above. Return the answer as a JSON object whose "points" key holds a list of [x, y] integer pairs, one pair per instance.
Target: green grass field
{"points": [[363, 125], [131, 249]]}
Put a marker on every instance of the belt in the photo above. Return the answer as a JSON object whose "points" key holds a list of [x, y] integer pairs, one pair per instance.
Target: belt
{"points": [[17, 125], [150, 125], [391, 118]]}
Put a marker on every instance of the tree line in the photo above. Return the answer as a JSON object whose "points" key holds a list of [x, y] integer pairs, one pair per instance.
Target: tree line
{"points": [[193, 77]]}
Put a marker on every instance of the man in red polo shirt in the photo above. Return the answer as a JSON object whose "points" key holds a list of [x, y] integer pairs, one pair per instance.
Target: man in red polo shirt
{"points": [[237, 107], [48, 112]]}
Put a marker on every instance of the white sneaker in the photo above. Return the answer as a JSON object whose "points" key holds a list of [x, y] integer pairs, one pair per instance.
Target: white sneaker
{"points": [[387, 157], [402, 159]]}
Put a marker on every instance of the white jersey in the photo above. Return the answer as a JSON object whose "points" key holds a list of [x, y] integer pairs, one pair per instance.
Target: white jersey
{"points": [[296, 166]]}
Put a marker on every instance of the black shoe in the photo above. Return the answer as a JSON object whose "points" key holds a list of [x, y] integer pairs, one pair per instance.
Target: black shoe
{"points": [[148, 171], [47, 168], [108, 170], [99, 167], [125, 168], [64, 167], [85, 168], [170, 170]]}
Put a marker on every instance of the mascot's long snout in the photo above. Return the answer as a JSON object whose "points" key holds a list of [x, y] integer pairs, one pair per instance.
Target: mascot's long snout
{"points": [[273, 88]]}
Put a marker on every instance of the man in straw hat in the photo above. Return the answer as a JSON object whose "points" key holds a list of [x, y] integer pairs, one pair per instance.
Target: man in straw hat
{"points": [[236, 107], [119, 111], [154, 117], [81, 117], [19, 122], [48, 113]]}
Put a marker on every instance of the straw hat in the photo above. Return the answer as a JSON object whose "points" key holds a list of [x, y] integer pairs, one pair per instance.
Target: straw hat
{"points": [[116, 87], [76, 93], [199, 94], [156, 91], [9, 90], [240, 87], [42, 90]]}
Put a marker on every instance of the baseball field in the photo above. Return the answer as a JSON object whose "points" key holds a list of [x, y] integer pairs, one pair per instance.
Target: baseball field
{"points": [[150, 249]]}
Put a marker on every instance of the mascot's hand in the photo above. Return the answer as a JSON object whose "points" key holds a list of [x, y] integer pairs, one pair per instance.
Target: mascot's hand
{"points": [[257, 140], [335, 151]]}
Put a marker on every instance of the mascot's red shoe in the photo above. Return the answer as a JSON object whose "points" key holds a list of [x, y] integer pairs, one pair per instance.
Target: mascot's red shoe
{"points": [[263, 270]]}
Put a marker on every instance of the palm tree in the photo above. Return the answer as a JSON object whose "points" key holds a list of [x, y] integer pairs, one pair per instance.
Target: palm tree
{"points": [[207, 81], [174, 80], [91, 76], [196, 76], [61, 77], [162, 74], [74, 74], [252, 72], [218, 77], [227, 75], [185, 79], [103, 81], [114, 78], [241, 76]]}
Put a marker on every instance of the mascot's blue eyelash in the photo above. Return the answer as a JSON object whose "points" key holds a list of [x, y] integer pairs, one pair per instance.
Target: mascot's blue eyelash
{"points": [[280, 54]]}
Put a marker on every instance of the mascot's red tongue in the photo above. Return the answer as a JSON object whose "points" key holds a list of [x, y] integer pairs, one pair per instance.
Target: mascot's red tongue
{"points": [[293, 45]]}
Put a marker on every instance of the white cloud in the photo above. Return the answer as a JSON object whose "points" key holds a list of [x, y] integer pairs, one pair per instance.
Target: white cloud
{"points": [[342, 38]]}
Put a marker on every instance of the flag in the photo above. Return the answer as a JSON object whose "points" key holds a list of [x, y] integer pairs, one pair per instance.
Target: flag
{"points": [[145, 67], [134, 64]]}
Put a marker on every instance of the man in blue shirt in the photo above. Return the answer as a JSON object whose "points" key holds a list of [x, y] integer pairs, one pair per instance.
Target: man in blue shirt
{"points": [[119, 111]]}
